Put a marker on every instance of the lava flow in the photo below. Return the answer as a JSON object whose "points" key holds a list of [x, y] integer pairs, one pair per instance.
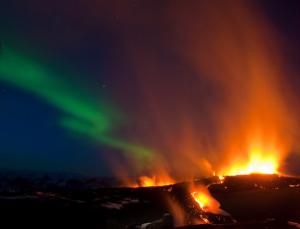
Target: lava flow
{"points": [[205, 201], [207, 204]]}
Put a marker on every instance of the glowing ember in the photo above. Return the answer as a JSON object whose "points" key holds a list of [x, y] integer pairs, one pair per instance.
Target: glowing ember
{"points": [[205, 201], [221, 179]]}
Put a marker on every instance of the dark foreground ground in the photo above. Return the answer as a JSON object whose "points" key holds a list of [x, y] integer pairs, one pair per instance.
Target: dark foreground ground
{"points": [[253, 201]]}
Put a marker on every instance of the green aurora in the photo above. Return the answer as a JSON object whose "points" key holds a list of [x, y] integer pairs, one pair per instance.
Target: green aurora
{"points": [[81, 113]]}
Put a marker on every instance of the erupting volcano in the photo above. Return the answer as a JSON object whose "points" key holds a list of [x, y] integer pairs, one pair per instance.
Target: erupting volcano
{"points": [[187, 109], [222, 106], [228, 116]]}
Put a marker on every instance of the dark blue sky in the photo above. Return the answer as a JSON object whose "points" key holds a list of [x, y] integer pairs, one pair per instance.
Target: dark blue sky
{"points": [[32, 139], [77, 37], [30, 136]]}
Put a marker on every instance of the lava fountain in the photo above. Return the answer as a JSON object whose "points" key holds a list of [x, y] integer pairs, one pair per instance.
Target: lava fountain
{"points": [[151, 181], [258, 162]]}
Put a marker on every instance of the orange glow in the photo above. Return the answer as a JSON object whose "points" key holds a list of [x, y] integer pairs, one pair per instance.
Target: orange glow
{"points": [[221, 178], [153, 181], [145, 181], [259, 162], [205, 201]]}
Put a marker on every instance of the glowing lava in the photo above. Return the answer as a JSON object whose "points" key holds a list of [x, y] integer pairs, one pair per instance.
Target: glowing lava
{"points": [[205, 201]]}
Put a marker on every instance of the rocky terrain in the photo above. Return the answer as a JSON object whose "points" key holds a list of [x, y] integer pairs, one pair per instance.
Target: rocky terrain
{"points": [[253, 201]]}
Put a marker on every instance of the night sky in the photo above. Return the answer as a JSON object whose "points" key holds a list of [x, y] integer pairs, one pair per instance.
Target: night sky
{"points": [[84, 44]]}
